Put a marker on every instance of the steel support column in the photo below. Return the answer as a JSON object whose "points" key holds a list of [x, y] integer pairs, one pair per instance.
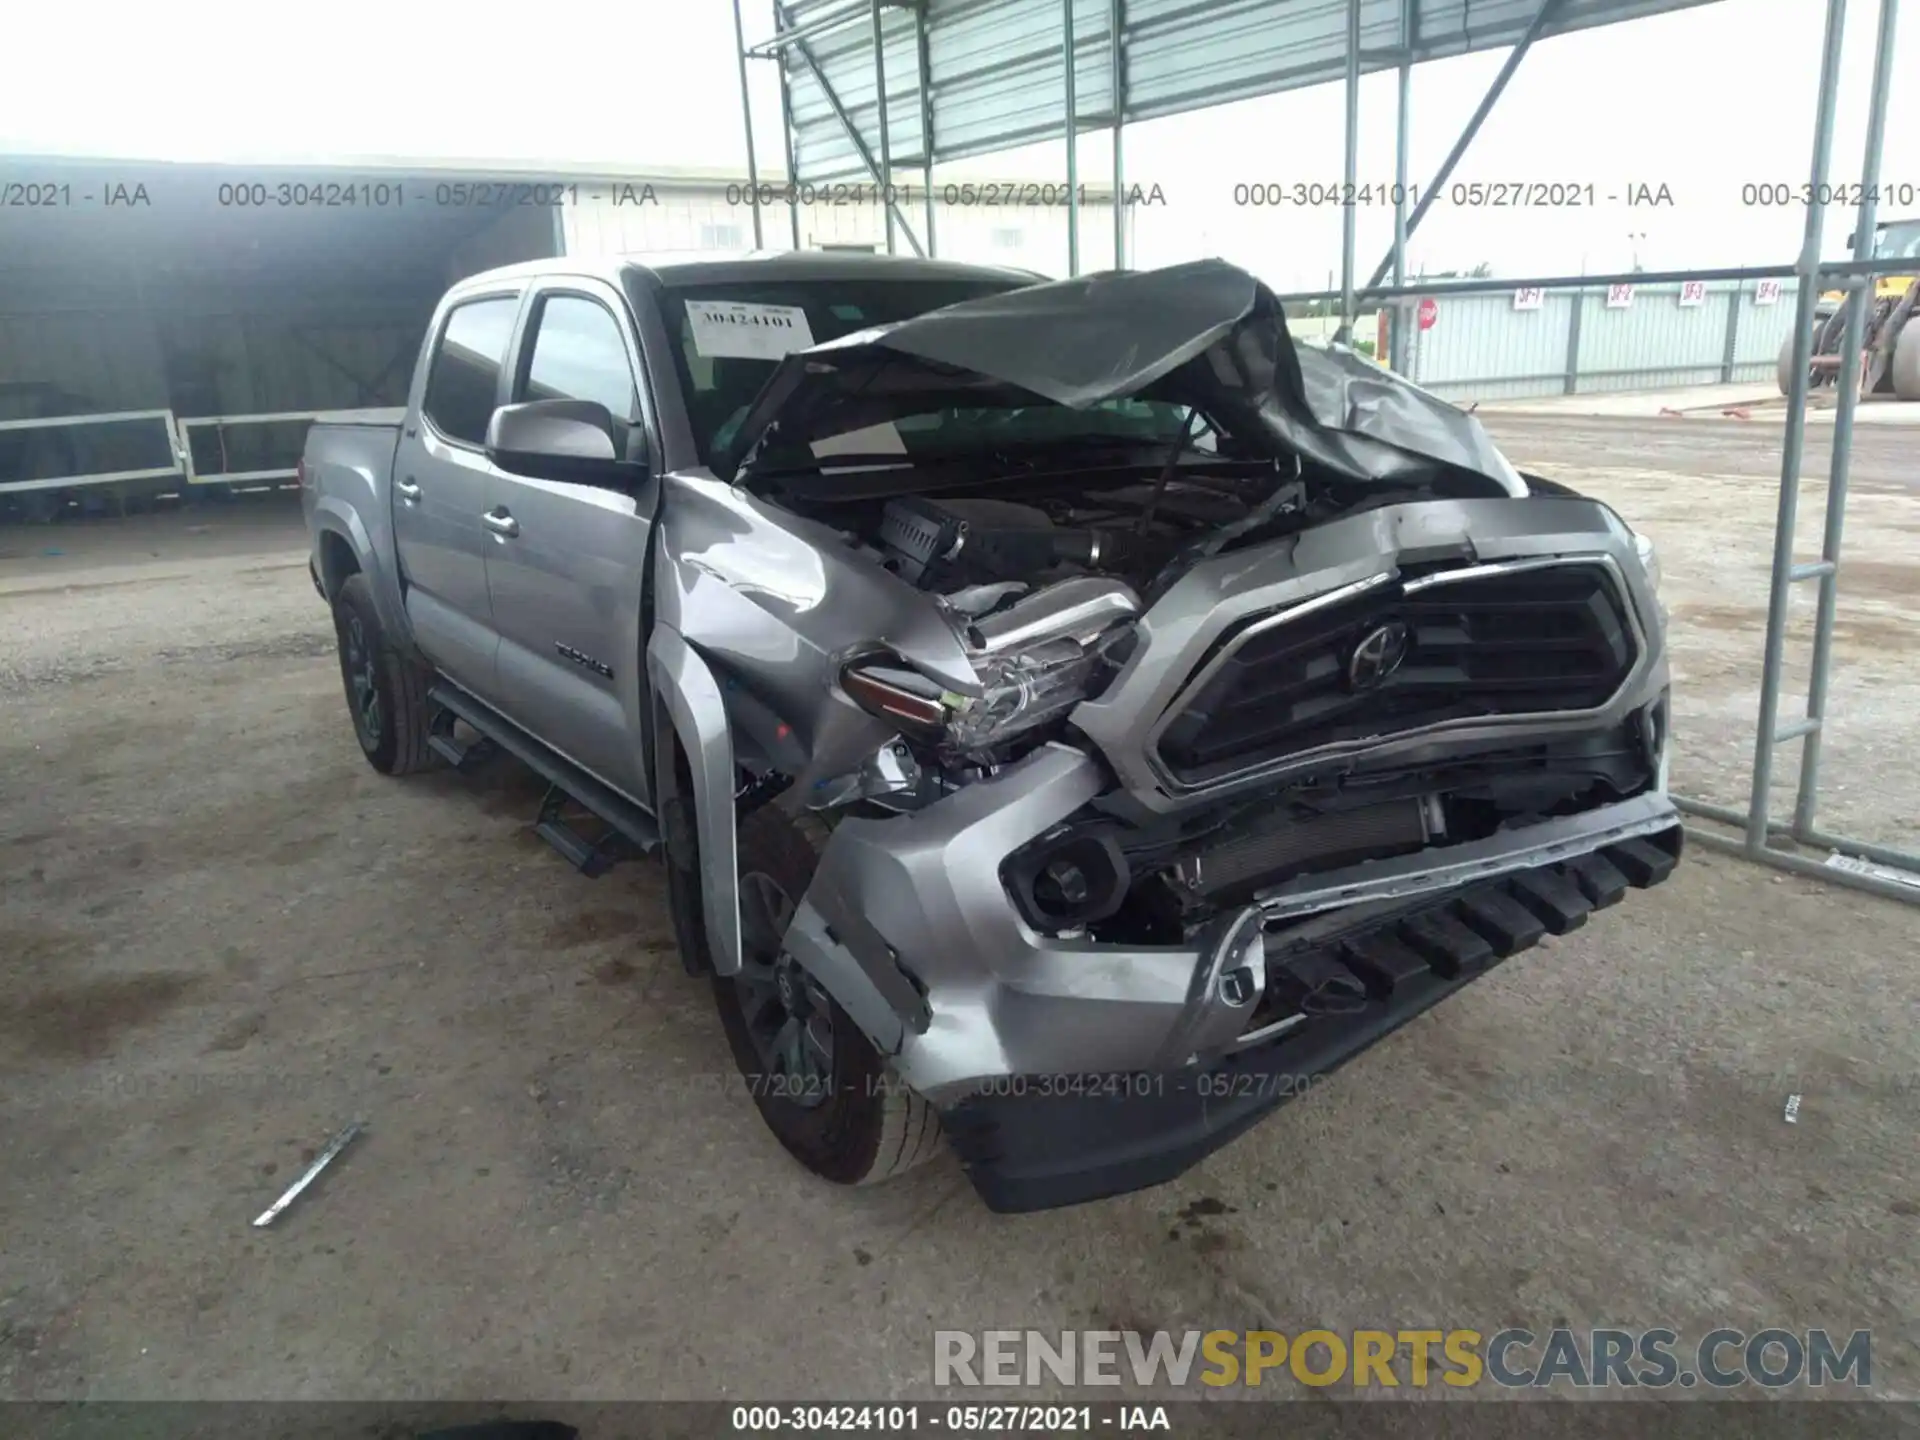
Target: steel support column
{"points": [[1730, 349], [786, 149], [1474, 122], [880, 108], [1073, 139], [923, 70], [1349, 214], [1396, 314], [1116, 24], [1807, 801], [746, 121], [1780, 589]]}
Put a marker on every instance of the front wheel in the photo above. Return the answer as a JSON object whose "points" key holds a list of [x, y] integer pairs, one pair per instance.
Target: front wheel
{"points": [[828, 1096], [386, 691]]}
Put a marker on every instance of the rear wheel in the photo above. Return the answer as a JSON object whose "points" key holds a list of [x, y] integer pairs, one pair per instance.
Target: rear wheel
{"points": [[825, 1092], [1784, 368], [1906, 360], [386, 691]]}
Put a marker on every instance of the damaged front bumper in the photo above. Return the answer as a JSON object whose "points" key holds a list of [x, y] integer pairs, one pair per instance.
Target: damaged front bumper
{"points": [[1066, 1069]]}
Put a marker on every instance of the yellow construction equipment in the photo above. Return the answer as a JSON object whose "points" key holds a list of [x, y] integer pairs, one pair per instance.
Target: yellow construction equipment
{"points": [[1889, 360]]}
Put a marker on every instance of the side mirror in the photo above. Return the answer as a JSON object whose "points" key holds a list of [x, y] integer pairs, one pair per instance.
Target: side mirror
{"points": [[570, 440]]}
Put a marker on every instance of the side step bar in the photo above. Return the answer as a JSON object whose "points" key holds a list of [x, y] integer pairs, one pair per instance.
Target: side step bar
{"points": [[564, 779], [592, 858], [461, 757]]}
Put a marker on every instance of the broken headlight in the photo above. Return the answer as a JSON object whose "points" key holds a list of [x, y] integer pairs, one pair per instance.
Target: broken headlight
{"points": [[1027, 688], [1036, 660], [1024, 689]]}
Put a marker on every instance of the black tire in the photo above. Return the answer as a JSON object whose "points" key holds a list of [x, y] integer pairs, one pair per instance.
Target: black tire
{"points": [[1904, 372], [1783, 367], [854, 1122], [386, 691]]}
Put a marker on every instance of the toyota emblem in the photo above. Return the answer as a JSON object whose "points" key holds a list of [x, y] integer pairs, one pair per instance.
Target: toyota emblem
{"points": [[1377, 656]]}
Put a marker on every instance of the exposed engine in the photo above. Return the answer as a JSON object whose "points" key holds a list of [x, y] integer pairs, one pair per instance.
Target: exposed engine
{"points": [[974, 540], [1131, 531], [1045, 591]]}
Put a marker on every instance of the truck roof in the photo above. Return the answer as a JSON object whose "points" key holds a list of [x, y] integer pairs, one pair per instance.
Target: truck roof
{"points": [[684, 267]]}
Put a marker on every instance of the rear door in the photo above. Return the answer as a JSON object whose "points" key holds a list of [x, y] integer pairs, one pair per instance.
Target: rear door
{"points": [[566, 562], [441, 479]]}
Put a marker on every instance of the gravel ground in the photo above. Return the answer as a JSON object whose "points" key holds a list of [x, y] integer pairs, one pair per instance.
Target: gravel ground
{"points": [[222, 936], [1706, 492]]}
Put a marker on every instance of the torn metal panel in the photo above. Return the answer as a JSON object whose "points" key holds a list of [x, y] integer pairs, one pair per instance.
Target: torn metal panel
{"points": [[1205, 333]]}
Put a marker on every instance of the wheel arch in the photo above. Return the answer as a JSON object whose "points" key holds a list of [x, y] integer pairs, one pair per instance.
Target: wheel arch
{"points": [[339, 537], [690, 724], [337, 561]]}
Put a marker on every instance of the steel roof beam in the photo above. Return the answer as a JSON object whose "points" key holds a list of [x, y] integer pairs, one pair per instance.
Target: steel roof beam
{"points": [[1474, 122], [832, 98], [785, 36]]}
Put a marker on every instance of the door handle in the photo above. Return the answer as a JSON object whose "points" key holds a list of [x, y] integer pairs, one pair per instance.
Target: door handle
{"points": [[501, 523], [409, 491]]}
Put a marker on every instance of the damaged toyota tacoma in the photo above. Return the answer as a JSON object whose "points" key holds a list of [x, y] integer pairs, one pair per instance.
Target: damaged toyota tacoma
{"points": [[1074, 716]]}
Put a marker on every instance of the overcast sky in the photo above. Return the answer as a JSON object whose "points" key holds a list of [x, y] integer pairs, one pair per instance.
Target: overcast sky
{"points": [[1702, 102]]}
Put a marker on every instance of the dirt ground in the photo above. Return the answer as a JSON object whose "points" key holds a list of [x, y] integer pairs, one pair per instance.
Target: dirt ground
{"points": [[222, 937], [1707, 492]]}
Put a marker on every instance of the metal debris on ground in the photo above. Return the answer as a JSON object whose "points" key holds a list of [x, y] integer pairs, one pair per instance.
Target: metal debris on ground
{"points": [[1792, 1117], [325, 1158], [1859, 866]]}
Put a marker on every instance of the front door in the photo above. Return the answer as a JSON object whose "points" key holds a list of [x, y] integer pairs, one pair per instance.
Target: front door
{"points": [[566, 562], [441, 477]]}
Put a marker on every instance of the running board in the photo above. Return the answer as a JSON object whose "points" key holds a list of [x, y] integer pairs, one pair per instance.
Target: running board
{"points": [[592, 858], [631, 822], [463, 758]]}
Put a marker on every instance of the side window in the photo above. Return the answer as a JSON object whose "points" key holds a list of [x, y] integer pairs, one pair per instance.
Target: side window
{"points": [[461, 386], [578, 355]]}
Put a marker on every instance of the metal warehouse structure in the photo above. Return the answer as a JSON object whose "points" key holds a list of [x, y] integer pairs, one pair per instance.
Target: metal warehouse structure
{"points": [[166, 325], [873, 88]]}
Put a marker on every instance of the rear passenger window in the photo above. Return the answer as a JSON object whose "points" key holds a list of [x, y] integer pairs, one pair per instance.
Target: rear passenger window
{"points": [[578, 355], [463, 384]]}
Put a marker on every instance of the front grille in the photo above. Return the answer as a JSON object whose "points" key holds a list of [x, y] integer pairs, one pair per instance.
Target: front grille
{"points": [[1482, 645]]}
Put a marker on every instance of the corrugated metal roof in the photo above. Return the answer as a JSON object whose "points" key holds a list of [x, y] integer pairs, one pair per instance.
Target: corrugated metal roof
{"points": [[997, 80]]}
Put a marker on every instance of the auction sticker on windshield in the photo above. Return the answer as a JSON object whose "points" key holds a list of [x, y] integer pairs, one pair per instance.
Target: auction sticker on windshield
{"points": [[737, 330]]}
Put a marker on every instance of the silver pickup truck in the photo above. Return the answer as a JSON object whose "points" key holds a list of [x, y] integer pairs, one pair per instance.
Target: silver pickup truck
{"points": [[1075, 717]]}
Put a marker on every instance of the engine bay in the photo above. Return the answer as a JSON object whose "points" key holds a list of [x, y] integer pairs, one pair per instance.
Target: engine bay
{"points": [[1125, 523], [1043, 570], [943, 541]]}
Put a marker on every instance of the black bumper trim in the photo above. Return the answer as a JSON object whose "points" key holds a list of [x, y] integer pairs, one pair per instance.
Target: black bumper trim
{"points": [[1040, 1143]]}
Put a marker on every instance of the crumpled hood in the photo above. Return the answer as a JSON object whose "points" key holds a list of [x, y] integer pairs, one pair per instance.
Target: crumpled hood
{"points": [[1205, 333]]}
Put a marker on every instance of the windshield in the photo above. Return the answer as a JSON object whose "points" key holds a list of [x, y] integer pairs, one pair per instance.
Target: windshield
{"points": [[731, 337], [1898, 241]]}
